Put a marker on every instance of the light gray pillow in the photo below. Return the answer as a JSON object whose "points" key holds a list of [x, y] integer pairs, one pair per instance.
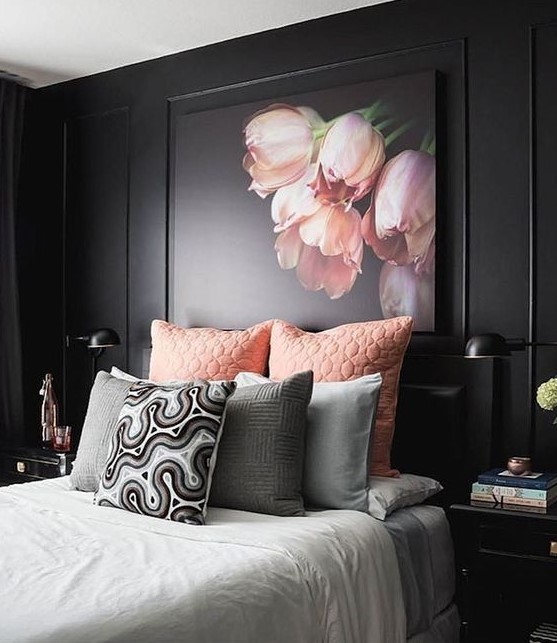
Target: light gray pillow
{"points": [[341, 416], [261, 452], [105, 403], [389, 494]]}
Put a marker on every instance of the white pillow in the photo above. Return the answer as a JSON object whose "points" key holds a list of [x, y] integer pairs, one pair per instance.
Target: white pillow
{"points": [[127, 377], [122, 375], [385, 495]]}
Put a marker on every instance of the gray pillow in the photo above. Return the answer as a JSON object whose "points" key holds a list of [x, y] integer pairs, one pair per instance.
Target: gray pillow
{"points": [[261, 453], [341, 416], [105, 403]]}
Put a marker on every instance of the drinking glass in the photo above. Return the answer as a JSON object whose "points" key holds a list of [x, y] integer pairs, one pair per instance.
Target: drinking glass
{"points": [[61, 438]]}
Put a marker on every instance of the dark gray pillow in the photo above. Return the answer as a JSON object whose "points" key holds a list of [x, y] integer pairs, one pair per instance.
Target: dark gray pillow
{"points": [[261, 453], [105, 403]]}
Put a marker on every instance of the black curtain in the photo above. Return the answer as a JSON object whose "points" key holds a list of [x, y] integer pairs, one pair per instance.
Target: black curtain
{"points": [[12, 97]]}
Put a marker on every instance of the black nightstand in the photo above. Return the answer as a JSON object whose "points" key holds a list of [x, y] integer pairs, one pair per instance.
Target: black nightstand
{"points": [[507, 564], [27, 464]]}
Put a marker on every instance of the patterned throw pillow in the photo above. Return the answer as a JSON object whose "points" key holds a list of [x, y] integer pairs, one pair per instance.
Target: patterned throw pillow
{"points": [[163, 453]]}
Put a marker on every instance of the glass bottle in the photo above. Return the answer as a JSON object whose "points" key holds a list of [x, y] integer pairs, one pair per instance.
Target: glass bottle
{"points": [[49, 411]]}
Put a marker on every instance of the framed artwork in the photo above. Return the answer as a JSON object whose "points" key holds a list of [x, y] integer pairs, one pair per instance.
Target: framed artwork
{"points": [[315, 206]]}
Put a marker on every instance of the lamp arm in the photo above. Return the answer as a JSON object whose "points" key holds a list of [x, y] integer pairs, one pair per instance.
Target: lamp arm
{"points": [[71, 338]]}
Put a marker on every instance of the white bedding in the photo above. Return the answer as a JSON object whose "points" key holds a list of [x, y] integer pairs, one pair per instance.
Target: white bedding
{"points": [[71, 571]]}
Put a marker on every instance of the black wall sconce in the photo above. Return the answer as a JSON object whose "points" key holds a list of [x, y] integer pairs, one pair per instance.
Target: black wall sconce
{"points": [[96, 342], [495, 345]]}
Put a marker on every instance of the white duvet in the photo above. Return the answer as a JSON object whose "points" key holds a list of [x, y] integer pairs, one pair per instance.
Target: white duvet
{"points": [[71, 571]]}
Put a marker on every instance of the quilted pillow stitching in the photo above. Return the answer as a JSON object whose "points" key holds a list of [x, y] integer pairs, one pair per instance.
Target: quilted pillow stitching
{"points": [[207, 353]]}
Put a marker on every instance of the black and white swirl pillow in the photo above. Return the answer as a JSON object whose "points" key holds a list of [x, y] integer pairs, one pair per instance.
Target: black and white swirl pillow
{"points": [[163, 453]]}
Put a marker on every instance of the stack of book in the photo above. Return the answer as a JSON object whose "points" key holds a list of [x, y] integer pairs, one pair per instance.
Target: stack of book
{"points": [[535, 492], [544, 633]]}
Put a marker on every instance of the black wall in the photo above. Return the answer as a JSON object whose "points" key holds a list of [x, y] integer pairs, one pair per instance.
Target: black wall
{"points": [[94, 217]]}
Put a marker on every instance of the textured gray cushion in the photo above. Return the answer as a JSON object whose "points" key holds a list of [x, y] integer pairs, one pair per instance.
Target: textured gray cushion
{"points": [[261, 453], [162, 455], [341, 416], [105, 402]]}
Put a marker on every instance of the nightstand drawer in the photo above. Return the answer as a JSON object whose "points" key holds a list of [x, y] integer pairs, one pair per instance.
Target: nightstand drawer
{"points": [[25, 467], [513, 542]]}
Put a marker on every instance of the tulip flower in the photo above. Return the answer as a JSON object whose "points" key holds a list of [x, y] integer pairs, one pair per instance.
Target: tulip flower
{"points": [[294, 202], [349, 162], [392, 249], [316, 271], [335, 231], [403, 292], [333, 274], [281, 144], [332, 228], [404, 203], [288, 247], [323, 242]]}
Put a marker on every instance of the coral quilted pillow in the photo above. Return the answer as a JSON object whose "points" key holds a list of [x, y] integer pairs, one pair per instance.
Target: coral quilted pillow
{"points": [[207, 353], [345, 353]]}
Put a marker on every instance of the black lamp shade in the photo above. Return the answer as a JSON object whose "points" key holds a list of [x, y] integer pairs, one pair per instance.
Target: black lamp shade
{"points": [[103, 338], [487, 345]]}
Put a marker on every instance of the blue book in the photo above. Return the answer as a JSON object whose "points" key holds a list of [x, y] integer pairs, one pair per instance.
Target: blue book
{"points": [[503, 478]]}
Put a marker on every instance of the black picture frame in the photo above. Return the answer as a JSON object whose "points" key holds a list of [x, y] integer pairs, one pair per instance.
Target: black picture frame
{"points": [[450, 316]]}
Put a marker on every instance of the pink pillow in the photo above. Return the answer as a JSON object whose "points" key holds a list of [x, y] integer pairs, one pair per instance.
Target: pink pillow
{"points": [[345, 353], [190, 353]]}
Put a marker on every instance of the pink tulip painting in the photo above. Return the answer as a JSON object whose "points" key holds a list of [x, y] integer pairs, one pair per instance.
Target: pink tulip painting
{"points": [[336, 190]]}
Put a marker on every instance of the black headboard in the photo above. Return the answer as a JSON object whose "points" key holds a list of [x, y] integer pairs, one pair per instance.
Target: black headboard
{"points": [[447, 420]]}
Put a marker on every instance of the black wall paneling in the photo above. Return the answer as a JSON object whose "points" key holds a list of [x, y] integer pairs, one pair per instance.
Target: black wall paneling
{"points": [[544, 230], [40, 254], [96, 242], [498, 197]]}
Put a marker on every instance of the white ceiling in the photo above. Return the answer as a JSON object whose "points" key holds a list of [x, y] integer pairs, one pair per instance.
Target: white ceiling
{"points": [[50, 41]]}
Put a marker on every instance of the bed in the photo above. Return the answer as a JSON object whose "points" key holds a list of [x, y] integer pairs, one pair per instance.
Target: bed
{"points": [[74, 571], [101, 574]]}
